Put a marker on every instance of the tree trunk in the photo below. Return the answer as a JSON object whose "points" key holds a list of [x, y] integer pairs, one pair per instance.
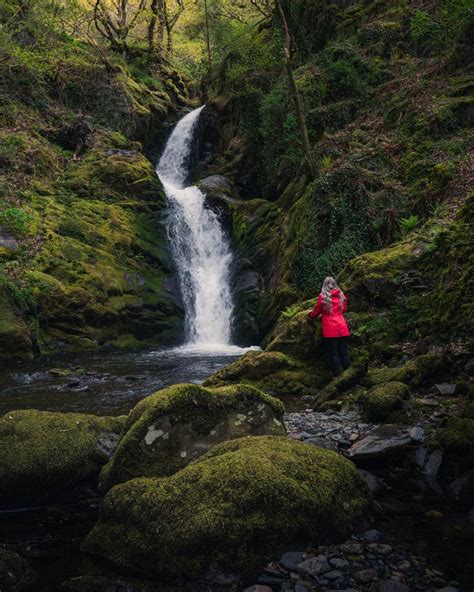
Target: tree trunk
{"points": [[299, 109]]}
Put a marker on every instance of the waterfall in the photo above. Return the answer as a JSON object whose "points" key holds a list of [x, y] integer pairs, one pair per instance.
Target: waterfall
{"points": [[200, 248]]}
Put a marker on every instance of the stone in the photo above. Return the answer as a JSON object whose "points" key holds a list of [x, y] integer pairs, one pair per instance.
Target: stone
{"points": [[404, 566], [333, 574], [381, 442], [420, 456], [339, 562], [371, 536], [428, 402], [365, 576], [44, 453], [352, 548], [258, 588], [321, 443], [166, 431], [434, 462], [311, 568], [389, 586], [417, 434], [158, 525], [291, 560], [445, 389], [447, 589], [375, 485]]}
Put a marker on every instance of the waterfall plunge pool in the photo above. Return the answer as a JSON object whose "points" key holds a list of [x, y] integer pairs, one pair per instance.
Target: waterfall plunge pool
{"points": [[105, 382]]}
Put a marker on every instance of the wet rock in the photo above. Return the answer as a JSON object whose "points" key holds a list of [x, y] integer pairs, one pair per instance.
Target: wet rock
{"points": [[445, 389], [259, 588], [371, 536], [291, 560], [375, 484], [365, 576], [15, 573], [434, 462], [311, 568], [339, 563], [333, 574], [417, 434], [381, 442], [420, 456]]}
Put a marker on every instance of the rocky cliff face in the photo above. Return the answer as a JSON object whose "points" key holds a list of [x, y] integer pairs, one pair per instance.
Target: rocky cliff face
{"points": [[83, 249]]}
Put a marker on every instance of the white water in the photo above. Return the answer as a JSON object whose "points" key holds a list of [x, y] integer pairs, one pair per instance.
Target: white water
{"points": [[199, 246]]}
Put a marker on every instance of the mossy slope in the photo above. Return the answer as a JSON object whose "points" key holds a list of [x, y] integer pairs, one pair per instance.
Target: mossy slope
{"points": [[243, 502]]}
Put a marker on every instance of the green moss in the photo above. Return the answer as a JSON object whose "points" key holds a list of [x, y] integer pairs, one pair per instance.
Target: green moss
{"points": [[458, 437], [382, 401], [15, 573], [342, 383], [412, 373], [169, 429], [15, 338], [242, 503], [42, 453], [274, 373]]}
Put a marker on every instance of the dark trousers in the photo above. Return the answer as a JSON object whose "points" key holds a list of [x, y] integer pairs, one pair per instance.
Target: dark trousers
{"points": [[338, 354]]}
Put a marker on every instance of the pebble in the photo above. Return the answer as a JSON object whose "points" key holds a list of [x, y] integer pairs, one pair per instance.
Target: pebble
{"points": [[389, 586], [371, 536], [291, 560], [333, 574], [314, 567], [339, 563], [404, 566], [366, 575]]}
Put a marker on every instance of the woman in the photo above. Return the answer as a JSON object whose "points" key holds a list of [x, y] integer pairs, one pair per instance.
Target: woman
{"points": [[331, 305]]}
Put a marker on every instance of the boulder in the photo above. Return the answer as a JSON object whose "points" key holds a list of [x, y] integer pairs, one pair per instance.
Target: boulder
{"points": [[239, 505], [275, 373], [381, 442], [169, 429], [412, 372], [15, 573], [382, 401], [44, 453]]}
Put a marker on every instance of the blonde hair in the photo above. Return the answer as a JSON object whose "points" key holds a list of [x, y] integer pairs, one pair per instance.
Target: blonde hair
{"points": [[330, 284]]}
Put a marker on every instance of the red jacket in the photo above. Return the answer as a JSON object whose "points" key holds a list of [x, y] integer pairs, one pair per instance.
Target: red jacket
{"points": [[333, 322]]}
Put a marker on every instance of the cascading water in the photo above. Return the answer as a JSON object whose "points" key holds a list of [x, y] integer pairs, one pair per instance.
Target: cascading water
{"points": [[198, 243]]}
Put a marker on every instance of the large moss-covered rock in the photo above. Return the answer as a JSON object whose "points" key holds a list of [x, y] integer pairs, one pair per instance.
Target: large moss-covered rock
{"points": [[43, 453], [243, 502], [15, 573], [382, 401], [275, 373], [176, 425]]}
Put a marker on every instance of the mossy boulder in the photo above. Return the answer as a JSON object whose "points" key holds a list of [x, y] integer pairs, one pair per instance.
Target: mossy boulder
{"points": [[44, 453], [411, 373], [274, 373], [15, 573], [15, 340], [382, 401], [242, 503], [169, 429], [457, 438]]}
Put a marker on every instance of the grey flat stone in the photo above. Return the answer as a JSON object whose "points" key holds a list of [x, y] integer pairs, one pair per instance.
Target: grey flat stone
{"points": [[381, 442], [434, 462], [445, 388]]}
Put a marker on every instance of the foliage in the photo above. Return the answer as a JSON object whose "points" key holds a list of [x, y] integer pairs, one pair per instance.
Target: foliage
{"points": [[409, 224], [15, 220]]}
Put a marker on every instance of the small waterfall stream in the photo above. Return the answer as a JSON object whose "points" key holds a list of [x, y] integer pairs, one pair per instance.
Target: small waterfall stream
{"points": [[198, 243]]}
